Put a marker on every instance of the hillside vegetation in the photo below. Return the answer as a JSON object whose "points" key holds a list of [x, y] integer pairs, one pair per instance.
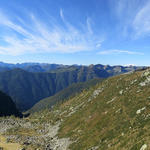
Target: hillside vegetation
{"points": [[63, 95], [112, 115]]}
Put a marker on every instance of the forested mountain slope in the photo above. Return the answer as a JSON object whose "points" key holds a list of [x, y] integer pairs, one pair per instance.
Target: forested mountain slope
{"points": [[64, 95]]}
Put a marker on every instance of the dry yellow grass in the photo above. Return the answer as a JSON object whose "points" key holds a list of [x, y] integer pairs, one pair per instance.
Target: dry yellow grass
{"points": [[8, 146]]}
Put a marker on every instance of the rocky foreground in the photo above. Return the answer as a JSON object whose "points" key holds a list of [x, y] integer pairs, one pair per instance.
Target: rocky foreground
{"points": [[32, 135]]}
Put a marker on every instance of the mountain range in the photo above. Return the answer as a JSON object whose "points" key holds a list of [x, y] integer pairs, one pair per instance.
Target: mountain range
{"points": [[31, 67], [28, 87]]}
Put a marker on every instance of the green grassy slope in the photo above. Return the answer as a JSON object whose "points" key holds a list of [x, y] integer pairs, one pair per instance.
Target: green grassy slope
{"points": [[113, 115]]}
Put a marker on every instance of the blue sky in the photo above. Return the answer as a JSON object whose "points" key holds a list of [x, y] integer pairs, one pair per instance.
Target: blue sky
{"points": [[114, 32]]}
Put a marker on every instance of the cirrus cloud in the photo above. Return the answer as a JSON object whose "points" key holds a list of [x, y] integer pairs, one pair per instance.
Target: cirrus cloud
{"points": [[116, 51], [36, 37]]}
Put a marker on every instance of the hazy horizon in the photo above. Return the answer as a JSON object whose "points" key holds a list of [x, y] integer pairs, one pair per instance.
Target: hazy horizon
{"points": [[73, 64]]}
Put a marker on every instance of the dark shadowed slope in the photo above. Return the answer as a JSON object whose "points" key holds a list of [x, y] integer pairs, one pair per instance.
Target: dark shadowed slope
{"points": [[7, 106]]}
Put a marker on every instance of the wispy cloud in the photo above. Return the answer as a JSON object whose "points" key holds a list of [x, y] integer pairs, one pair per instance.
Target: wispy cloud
{"points": [[89, 21], [133, 17], [116, 51], [37, 37], [62, 14], [141, 22], [127, 8]]}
